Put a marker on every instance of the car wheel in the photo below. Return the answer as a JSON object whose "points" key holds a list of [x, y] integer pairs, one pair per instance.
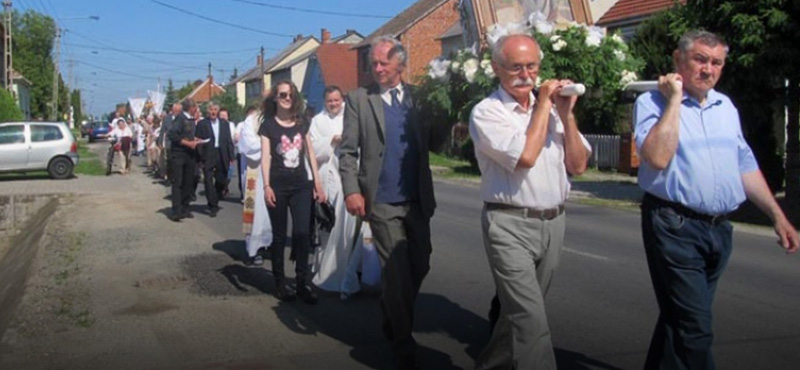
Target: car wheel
{"points": [[60, 168]]}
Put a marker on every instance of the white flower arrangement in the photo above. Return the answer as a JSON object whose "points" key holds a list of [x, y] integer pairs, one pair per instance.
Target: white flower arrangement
{"points": [[489, 71], [558, 45], [455, 67], [627, 77], [620, 55], [499, 30], [470, 69], [539, 22], [438, 69]]}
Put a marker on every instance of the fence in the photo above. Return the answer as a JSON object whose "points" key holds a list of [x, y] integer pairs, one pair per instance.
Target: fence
{"points": [[605, 151]]}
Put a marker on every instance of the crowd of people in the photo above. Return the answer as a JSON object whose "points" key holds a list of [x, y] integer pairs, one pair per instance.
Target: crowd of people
{"points": [[366, 154]]}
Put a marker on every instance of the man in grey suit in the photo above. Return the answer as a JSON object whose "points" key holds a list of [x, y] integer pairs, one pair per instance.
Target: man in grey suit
{"points": [[387, 181]]}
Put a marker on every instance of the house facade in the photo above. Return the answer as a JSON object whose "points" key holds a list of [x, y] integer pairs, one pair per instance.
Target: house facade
{"points": [[334, 62], [626, 15], [205, 91]]}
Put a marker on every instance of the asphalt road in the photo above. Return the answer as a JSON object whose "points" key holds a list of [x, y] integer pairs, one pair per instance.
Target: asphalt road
{"points": [[601, 307]]}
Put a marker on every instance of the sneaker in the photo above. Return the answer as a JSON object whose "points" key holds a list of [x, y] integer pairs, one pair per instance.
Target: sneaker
{"points": [[258, 260]]}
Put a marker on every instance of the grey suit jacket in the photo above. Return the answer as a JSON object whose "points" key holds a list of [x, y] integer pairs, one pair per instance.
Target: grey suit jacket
{"points": [[362, 147]]}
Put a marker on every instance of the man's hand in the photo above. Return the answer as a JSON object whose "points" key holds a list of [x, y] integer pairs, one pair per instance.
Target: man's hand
{"points": [[564, 104], [671, 86], [548, 89], [191, 144], [787, 235], [355, 205], [336, 140]]}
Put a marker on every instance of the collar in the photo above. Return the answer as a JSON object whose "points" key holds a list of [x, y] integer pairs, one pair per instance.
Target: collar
{"points": [[712, 98], [399, 87], [511, 104]]}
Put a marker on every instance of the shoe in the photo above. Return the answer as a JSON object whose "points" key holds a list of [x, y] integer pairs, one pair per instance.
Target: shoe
{"points": [[258, 260], [174, 218], [306, 294], [187, 214], [213, 212], [282, 292], [408, 363]]}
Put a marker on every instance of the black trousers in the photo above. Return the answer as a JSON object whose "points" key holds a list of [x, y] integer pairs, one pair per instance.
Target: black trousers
{"points": [[215, 180], [182, 166], [298, 199]]}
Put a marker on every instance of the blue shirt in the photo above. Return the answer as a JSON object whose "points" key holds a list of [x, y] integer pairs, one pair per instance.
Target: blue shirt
{"points": [[706, 172]]}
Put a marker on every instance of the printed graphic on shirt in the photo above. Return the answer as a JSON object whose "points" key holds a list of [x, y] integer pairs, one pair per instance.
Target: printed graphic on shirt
{"points": [[290, 150]]}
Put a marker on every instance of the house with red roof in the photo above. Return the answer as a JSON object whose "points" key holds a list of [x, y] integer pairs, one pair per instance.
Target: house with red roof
{"points": [[334, 62], [627, 15]]}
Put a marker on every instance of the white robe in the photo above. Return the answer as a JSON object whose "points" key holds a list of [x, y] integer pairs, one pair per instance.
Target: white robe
{"points": [[140, 137], [337, 263], [250, 149]]}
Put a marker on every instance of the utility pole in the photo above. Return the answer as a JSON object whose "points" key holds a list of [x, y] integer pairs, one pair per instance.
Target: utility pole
{"points": [[55, 74], [262, 72], [210, 81], [7, 57]]}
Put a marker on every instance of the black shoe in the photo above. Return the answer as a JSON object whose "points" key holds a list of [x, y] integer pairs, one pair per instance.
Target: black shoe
{"points": [[194, 197], [174, 218], [408, 363], [306, 294], [283, 292], [187, 214], [213, 212]]}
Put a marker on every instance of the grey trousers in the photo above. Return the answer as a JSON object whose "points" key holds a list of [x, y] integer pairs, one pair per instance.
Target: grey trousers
{"points": [[403, 239], [523, 254]]}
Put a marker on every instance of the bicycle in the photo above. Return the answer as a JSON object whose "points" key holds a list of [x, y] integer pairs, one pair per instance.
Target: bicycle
{"points": [[112, 149]]}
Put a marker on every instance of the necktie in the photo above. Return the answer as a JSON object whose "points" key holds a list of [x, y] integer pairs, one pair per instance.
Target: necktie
{"points": [[395, 101]]}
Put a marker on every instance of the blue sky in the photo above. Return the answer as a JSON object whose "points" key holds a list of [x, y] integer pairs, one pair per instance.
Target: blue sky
{"points": [[142, 27]]}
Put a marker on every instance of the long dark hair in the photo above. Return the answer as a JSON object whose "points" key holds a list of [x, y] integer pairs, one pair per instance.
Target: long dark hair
{"points": [[269, 107]]}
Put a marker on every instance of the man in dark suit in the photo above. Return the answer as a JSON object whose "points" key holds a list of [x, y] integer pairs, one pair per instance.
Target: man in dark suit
{"points": [[182, 160], [215, 156], [387, 181]]}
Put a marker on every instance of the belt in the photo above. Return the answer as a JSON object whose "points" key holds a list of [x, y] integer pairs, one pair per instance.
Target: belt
{"points": [[684, 210], [542, 214]]}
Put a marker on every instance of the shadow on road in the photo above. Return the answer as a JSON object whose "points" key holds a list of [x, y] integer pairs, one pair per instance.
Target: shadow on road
{"points": [[568, 360]]}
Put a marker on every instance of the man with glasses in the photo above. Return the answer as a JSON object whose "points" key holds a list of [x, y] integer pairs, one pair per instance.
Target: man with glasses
{"points": [[526, 146]]}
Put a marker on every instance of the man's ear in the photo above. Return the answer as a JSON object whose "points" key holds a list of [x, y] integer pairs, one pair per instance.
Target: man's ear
{"points": [[676, 58]]}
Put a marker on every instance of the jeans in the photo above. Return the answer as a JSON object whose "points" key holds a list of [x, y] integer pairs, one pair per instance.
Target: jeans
{"points": [[686, 257], [298, 198]]}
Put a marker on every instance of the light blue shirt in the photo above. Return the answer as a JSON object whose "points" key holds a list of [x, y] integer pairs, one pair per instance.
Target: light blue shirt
{"points": [[706, 172]]}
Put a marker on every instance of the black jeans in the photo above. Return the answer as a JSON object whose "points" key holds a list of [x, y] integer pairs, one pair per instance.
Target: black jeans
{"points": [[182, 166], [215, 180], [686, 257], [298, 198]]}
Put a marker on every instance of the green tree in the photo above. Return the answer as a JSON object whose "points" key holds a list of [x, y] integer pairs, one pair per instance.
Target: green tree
{"points": [[228, 101], [34, 34], [172, 95], [75, 100], [9, 111]]}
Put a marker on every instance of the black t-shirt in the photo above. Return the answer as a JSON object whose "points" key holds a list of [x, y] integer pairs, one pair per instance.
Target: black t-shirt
{"points": [[288, 151]]}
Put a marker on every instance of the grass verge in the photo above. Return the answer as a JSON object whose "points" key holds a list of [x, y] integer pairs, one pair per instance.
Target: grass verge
{"points": [[89, 163], [452, 168]]}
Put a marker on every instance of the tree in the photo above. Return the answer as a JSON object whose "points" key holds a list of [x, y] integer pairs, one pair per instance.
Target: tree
{"points": [[188, 88], [172, 96], [9, 111], [75, 100], [228, 101], [34, 34]]}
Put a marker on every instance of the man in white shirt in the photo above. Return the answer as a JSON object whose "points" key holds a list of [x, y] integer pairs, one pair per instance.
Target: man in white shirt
{"points": [[526, 146]]}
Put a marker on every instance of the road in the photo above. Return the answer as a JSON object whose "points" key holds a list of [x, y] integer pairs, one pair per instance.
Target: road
{"points": [[176, 296]]}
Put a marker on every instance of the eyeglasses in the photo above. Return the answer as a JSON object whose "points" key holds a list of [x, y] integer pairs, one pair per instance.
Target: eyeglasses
{"points": [[517, 68], [284, 95]]}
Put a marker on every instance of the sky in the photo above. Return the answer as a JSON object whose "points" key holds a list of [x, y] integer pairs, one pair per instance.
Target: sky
{"points": [[135, 44]]}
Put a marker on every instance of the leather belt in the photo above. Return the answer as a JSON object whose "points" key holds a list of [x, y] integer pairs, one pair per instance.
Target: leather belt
{"points": [[684, 210], [542, 214]]}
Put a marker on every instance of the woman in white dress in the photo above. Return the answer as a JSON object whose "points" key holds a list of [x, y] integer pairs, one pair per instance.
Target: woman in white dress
{"points": [[337, 263], [256, 224]]}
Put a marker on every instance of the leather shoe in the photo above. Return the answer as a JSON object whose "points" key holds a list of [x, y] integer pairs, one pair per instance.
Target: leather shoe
{"points": [[213, 212], [306, 294], [187, 214], [174, 218], [283, 293]]}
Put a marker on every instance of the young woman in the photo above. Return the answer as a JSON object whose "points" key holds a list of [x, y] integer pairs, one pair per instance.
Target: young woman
{"points": [[285, 156], [124, 136]]}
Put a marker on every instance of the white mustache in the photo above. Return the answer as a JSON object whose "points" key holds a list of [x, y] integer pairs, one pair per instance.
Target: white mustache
{"points": [[520, 82]]}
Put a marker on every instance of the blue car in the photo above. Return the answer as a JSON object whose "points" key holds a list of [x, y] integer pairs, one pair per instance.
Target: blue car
{"points": [[98, 131]]}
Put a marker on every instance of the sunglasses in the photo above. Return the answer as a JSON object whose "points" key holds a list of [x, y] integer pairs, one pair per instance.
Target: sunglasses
{"points": [[284, 95]]}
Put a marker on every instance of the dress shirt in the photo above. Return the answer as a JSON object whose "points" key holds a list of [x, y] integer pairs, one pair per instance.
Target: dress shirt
{"points": [[386, 94], [215, 128], [497, 127], [705, 173]]}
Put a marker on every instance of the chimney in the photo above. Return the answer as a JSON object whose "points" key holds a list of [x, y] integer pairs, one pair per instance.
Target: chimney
{"points": [[259, 60], [326, 36], [298, 37]]}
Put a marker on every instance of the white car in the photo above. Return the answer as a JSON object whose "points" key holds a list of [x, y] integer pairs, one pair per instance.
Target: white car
{"points": [[36, 146]]}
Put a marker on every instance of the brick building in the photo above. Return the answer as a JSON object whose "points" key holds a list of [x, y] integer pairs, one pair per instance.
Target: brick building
{"points": [[418, 28]]}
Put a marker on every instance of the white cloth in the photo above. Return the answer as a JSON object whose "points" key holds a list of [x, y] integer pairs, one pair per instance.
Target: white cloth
{"points": [[250, 148], [497, 127], [154, 133], [235, 136], [140, 136], [336, 266], [118, 133]]}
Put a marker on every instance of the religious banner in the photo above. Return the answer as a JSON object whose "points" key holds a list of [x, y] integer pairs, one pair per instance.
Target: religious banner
{"points": [[157, 99], [137, 106]]}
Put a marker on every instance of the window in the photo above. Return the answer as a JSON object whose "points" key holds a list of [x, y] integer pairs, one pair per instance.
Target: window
{"points": [[12, 134], [41, 133]]}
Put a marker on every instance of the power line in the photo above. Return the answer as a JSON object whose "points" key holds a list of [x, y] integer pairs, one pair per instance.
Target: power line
{"points": [[184, 11], [114, 71], [305, 10], [108, 48], [135, 55]]}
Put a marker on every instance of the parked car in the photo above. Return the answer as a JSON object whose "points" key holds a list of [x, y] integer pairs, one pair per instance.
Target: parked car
{"points": [[99, 131], [36, 146], [86, 127]]}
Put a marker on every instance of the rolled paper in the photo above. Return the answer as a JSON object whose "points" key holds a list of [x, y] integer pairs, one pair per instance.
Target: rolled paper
{"points": [[642, 86], [573, 90]]}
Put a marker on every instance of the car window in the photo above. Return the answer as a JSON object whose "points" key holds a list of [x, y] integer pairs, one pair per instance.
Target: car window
{"points": [[41, 133], [12, 134]]}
